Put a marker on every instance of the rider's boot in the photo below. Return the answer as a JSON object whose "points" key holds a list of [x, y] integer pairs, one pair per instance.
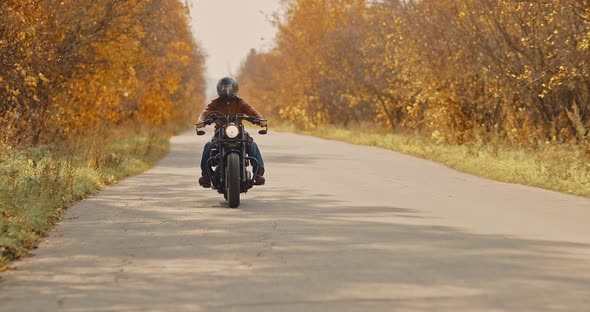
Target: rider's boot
{"points": [[204, 180], [258, 178]]}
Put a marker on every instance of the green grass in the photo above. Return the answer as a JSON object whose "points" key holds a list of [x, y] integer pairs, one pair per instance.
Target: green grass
{"points": [[36, 184], [563, 168]]}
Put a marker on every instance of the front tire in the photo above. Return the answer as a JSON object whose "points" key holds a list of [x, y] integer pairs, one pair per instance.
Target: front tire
{"points": [[233, 180]]}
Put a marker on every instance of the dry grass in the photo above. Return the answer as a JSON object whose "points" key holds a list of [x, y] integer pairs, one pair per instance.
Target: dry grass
{"points": [[36, 184]]}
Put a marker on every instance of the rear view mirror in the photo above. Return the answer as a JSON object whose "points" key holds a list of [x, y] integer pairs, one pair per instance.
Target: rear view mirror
{"points": [[200, 132], [264, 131]]}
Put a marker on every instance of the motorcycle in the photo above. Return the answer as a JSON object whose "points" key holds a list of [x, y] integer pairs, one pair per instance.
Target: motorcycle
{"points": [[228, 164]]}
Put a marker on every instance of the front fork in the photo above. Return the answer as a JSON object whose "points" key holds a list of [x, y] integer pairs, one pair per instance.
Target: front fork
{"points": [[247, 180]]}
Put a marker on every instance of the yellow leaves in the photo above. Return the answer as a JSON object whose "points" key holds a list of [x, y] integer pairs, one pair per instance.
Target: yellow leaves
{"points": [[43, 78], [468, 64], [84, 75], [31, 81], [14, 92], [585, 42], [437, 137]]}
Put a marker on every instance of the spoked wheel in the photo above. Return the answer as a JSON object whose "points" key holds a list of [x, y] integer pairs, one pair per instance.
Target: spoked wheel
{"points": [[232, 188]]}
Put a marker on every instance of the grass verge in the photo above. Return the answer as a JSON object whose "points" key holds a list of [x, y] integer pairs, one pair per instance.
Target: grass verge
{"points": [[562, 168], [37, 183]]}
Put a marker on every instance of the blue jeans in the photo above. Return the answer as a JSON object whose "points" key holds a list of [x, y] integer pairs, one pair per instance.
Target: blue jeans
{"points": [[251, 149]]}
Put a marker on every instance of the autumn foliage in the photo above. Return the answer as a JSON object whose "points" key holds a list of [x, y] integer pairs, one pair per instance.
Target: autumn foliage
{"points": [[88, 93], [457, 71], [69, 67]]}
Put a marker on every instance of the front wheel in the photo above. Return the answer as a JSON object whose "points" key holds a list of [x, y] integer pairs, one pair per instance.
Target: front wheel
{"points": [[233, 180]]}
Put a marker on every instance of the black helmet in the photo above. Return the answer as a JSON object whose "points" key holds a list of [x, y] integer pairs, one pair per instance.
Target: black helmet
{"points": [[227, 88]]}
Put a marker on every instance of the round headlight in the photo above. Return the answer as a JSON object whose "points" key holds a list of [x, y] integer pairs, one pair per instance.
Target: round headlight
{"points": [[232, 131]]}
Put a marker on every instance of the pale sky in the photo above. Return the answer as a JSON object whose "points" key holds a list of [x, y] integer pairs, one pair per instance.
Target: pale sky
{"points": [[228, 29]]}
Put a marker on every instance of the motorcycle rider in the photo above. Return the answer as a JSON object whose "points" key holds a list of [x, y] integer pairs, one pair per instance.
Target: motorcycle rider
{"points": [[228, 103]]}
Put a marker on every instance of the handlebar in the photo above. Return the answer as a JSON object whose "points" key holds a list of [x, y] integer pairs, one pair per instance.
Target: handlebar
{"points": [[213, 116]]}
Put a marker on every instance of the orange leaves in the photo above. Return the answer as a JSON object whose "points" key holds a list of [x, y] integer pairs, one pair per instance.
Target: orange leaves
{"points": [[312, 54], [454, 68], [73, 65]]}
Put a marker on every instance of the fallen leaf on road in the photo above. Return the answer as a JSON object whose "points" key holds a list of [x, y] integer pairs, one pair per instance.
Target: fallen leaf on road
{"points": [[5, 268]]}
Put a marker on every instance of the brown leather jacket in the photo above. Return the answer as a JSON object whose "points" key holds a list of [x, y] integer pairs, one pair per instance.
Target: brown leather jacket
{"points": [[232, 107]]}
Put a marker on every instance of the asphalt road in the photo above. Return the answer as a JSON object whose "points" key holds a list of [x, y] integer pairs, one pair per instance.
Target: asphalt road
{"points": [[337, 228]]}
